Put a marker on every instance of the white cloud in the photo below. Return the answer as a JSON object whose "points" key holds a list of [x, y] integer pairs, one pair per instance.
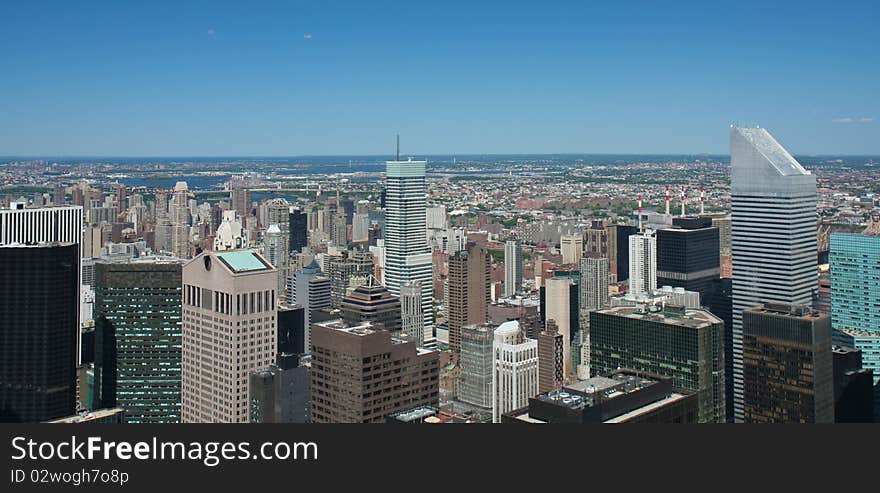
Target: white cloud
{"points": [[849, 119], [307, 36]]}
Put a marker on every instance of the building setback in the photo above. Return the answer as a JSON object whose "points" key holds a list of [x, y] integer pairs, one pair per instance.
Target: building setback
{"points": [[229, 331], [138, 340], [371, 302], [39, 324], [362, 374]]}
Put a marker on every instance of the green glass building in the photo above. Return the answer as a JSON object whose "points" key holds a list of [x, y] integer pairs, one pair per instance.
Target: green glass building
{"points": [[138, 339], [684, 344]]}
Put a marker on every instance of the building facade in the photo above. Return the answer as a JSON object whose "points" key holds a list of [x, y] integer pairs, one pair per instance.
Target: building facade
{"points": [[514, 369], [39, 323], [138, 340], [362, 374], [787, 365], [230, 330], [684, 344]]}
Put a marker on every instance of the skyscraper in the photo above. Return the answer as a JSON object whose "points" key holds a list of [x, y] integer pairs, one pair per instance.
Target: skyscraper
{"points": [[572, 247], [595, 276], [299, 229], [788, 375], [688, 256], [773, 232], [371, 302], [412, 319], [241, 202], [46, 225], [138, 339], [469, 290], [276, 254], [39, 323], [309, 288], [476, 360], [407, 256], [180, 244], [513, 267], [550, 376], [855, 289], [229, 331], [685, 344], [514, 369], [561, 306], [350, 378], [642, 263]]}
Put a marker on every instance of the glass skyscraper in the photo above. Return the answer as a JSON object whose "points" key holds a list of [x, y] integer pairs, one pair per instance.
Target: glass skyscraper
{"points": [[407, 255], [138, 339], [773, 233], [855, 291]]}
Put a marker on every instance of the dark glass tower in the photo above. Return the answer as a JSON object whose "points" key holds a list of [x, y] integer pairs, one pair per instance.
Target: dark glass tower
{"points": [[623, 234], [138, 340], [39, 321], [688, 256], [299, 230], [787, 365]]}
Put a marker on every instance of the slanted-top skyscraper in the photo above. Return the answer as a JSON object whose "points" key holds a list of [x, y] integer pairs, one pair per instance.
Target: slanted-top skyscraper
{"points": [[773, 232], [407, 256]]}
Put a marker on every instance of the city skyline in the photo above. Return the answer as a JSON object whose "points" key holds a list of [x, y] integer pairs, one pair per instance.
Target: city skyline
{"points": [[311, 79]]}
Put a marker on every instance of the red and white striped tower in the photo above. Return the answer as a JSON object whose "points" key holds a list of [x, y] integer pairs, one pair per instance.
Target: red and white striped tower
{"points": [[702, 201], [667, 200], [682, 200], [640, 212]]}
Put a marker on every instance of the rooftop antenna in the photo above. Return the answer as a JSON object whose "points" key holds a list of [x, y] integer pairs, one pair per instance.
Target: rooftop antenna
{"points": [[398, 147], [640, 213], [667, 200], [702, 201], [682, 200]]}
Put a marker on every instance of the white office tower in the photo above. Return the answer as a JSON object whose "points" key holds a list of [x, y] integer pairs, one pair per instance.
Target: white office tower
{"points": [[309, 288], [230, 234], [595, 276], [514, 369], [360, 227], [180, 221], [276, 254], [558, 305], [436, 217], [642, 262], [572, 247], [513, 267], [412, 315], [407, 256], [773, 233]]}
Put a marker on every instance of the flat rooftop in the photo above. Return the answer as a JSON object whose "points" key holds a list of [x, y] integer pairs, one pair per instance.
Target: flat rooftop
{"points": [[685, 317]]}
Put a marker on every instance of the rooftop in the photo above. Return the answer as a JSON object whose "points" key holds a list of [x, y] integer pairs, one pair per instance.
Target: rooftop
{"points": [[672, 315], [242, 261]]}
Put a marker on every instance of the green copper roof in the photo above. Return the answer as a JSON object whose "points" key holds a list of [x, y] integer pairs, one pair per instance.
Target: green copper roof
{"points": [[242, 260]]}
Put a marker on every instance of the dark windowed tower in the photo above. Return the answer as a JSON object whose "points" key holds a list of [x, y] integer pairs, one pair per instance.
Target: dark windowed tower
{"points": [[138, 340], [39, 322], [688, 256], [299, 230], [787, 365]]}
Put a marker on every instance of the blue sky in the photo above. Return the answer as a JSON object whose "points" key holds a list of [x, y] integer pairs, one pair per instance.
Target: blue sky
{"points": [[331, 77]]}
